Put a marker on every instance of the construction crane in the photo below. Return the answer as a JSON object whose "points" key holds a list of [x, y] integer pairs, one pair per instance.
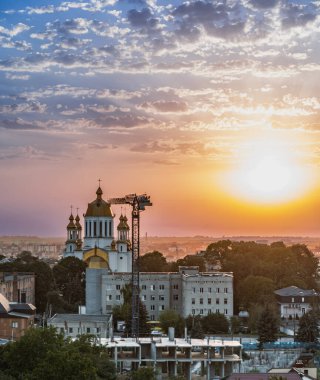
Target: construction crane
{"points": [[138, 203]]}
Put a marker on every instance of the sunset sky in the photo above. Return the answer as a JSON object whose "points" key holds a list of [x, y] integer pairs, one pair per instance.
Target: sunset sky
{"points": [[210, 107]]}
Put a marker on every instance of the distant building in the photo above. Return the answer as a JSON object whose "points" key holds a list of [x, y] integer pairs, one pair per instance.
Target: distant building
{"points": [[15, 318], [295, 302], [18, 286], [73, 325], [188, 291]]}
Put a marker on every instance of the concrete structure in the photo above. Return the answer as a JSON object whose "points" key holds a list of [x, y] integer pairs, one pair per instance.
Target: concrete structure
{"points": [[188, 291], [170, 356], [73, 325], [294, 302], [15, 318]]}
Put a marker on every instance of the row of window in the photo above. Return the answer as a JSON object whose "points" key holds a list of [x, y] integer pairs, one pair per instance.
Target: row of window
{"points": [[201, 290], [79, 330], [202, 311], [98, 229], [161, 307], [225, 301]]}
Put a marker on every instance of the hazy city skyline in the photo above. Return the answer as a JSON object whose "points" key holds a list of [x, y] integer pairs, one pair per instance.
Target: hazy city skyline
{"points": [[211, 107]]}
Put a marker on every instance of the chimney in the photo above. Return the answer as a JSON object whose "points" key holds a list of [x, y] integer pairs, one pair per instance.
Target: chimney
{"points": [[171, 334]]}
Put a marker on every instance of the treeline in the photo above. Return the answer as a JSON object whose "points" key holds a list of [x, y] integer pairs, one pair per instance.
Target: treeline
{"points": [[259, 269], [58, 289]]}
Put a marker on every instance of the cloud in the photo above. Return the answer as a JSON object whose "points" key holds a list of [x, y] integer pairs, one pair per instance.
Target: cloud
{"points": [[17, 29], [23, 108], [165, 106], [217, 19], [143, 20], [264, 4], [298, 14]]}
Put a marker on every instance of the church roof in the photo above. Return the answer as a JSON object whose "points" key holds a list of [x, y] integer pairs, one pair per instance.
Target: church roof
{"points": [[99, 207]]}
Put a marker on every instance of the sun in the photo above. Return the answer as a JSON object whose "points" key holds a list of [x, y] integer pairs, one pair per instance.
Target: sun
{"points": [[269, 171]]}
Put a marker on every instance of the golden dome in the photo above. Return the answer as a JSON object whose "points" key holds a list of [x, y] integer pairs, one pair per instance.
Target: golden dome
{"points": [[123, 225], [77, 224], [71, 222], [99, 207]]}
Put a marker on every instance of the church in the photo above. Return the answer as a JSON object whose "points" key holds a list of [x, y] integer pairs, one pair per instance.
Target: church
{"points": [[99, 248], [109, 266]]}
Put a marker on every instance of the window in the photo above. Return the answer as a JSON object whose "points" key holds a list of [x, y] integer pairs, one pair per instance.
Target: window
{"points": [[193, 311], [176, 286], [217, 301], [292, 299], [152, 307], [144, 297], [143, 287], [226, 290], [161, 298], [152, 287], [226, 311], [152, 318], [218, 290], [302, 299], [88, 330], [161, 287], [14, 325], [118, 287], [193, 301], [201, 290], [118, 297], [201, 311], [225, 301], [110, 297], [209, 301], [201, 301], [61, 330], [153, 298], [209, 290], [209, 311], [217, 311], [193, 290], [161, 307], [175, 297], [70, 330]]}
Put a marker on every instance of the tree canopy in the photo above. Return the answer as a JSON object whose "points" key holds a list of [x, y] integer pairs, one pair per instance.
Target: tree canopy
{"points": [[153, 262], [45, 354], [267, 327], [308, 330]]}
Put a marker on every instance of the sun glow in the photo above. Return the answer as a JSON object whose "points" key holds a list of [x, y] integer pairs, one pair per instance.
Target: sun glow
{"points": [[269, 171]]}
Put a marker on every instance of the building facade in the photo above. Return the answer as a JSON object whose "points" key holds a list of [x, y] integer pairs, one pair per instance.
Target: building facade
{"points": [[189, 292], [18, 287], [295, 302]]}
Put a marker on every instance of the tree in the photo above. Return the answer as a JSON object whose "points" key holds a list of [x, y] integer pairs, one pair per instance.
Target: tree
{"points": [[143, 373], [45, 354], [124, 312], [255, 289], [215, 324], [170, 318], [268, 326], [308, 330], [69, 277], [153, 262]]}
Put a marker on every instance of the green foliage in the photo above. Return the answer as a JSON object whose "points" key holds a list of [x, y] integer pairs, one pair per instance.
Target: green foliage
{"points": [[267, 327], [124, 312], [274, 266], [308, 330], [189, 260], [254, 288], [45, 354], [170, 318], [153, 262], [143, 373], [69, 278], [215, 324]]}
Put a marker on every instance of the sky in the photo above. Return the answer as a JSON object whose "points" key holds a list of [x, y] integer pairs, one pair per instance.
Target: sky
{"points": [[210, 107]]}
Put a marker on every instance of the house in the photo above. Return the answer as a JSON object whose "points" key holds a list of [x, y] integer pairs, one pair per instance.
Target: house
{"points": [[15, 318], [295, 302]]}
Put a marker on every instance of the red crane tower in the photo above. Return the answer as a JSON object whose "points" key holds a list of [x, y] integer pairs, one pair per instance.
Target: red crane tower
{"points": [[138, 203]]}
